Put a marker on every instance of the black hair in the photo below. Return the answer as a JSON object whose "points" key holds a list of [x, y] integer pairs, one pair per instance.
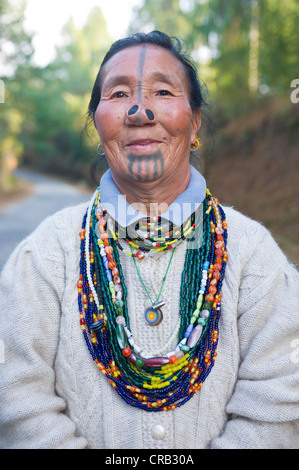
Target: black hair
{"points": [[170, 43]]}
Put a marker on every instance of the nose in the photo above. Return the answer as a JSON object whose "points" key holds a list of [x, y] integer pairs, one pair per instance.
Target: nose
{"points": [[140, 115]]}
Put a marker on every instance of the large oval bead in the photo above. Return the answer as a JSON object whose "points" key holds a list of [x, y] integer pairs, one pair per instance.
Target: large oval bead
{"points": [[189, 330], [121, 336], [156, 361], [194, 337]]}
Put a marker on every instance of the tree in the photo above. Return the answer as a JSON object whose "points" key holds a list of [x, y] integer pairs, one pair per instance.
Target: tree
{"points": [[52, 101], [15, 57], [252, 45]]}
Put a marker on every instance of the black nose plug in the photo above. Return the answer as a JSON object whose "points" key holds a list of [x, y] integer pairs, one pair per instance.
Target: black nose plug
{"points": [[133, 110], [148, 112]]}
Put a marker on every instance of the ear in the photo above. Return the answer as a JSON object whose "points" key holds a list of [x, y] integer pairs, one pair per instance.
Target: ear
{"points": [[196, 124]]}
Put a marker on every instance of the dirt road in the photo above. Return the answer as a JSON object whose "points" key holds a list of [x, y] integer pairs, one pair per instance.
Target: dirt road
{"points": [[19, 219]]}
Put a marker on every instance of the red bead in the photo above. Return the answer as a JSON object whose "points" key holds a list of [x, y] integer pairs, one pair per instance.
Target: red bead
{"points": [[104, 236], [217, 266], [112, 264], [140, 255], [114, 271], [216, 275], [212, 290], [209, 298], [173, 359], [126, 352], [109, 250], [219, 244]]}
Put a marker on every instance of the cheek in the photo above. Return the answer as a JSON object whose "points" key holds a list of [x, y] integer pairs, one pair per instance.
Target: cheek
{"points": [[107, 122], [178, 120]]}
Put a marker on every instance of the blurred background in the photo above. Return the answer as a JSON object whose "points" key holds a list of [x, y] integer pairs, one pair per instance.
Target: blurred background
{"points": [[247, 55]]}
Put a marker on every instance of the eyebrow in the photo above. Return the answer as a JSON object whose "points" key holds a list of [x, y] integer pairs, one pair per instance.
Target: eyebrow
{"points": [[117, 80], [163, 77]]}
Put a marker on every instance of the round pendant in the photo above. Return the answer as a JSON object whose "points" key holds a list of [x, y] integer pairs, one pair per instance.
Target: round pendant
{"points": [[153, 315]]}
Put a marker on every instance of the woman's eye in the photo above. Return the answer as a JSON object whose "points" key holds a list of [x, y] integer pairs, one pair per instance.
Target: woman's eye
{"points": [[118, 94], [164, 92]]}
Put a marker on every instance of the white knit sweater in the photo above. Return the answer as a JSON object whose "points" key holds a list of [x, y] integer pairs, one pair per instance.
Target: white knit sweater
{"points": [[52, 394]]}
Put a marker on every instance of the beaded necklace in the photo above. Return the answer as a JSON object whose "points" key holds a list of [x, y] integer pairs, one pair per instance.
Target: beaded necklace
{"points": [[145, 380]]}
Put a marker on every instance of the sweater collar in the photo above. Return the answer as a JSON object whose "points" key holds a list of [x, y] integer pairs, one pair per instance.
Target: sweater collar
{"points": [[177, 213]]}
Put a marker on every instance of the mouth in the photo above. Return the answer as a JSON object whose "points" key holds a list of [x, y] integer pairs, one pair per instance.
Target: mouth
{"points": [[143, 144]]}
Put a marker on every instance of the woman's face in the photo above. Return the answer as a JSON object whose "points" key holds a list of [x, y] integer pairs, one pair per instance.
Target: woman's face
{"points": [[144, 118]]}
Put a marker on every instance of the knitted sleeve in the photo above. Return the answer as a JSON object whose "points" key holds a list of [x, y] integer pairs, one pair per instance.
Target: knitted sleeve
{"points": [[264, 407], [31, 413]]}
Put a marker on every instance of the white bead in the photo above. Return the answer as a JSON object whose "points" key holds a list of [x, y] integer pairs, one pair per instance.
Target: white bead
{"points": [[179, 354], [158, 432], [205, 313], [195, 335], [184, 341], [171, 353], [131, 341]]}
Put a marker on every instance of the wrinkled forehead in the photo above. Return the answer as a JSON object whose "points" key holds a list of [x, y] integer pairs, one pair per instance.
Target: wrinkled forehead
{"points": [[142, 61]]}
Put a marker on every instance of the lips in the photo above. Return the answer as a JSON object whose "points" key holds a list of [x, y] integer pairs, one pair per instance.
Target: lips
{"points": [[142, 143]]}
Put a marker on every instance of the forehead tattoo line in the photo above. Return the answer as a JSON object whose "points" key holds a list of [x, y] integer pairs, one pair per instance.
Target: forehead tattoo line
{"points": [[140, 72]]}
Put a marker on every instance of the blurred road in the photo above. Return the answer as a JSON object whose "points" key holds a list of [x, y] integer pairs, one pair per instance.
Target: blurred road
{"points": [[19, 219]]}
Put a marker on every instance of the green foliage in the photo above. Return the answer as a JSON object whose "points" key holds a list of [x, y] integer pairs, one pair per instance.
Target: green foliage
{"points": [[225, 29], [44, 115]]}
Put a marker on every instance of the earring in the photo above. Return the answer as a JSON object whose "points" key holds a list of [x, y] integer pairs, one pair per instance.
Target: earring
{"points": [[196, 146], [100, 150]]}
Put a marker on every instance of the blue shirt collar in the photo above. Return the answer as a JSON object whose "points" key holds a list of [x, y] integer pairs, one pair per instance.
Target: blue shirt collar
{"points": [[178, 212]]}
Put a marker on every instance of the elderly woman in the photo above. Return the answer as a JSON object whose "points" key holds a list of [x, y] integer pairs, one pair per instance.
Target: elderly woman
{"points": [[169, 322]]}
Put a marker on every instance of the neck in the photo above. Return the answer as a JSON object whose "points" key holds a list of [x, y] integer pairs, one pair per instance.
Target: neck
{"points": [[152, 198]]}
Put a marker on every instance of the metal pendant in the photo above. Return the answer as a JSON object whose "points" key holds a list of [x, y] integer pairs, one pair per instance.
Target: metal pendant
{"points": [[153, 315]]}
